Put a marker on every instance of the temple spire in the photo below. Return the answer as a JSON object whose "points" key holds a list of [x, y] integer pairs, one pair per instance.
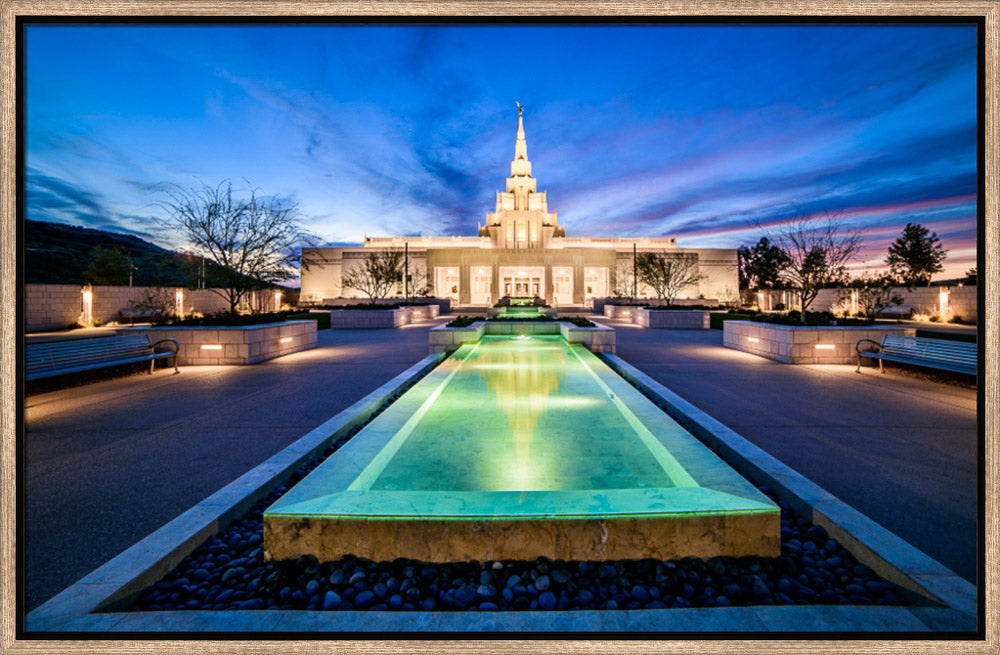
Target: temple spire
{"points": [[521, 147], [520, 166]]}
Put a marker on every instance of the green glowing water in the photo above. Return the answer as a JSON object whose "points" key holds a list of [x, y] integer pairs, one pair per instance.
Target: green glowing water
{"points": [[523, 415], [521, 427]]}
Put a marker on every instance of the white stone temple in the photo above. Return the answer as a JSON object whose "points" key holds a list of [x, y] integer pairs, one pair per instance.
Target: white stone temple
{"points": [[521, 251]]}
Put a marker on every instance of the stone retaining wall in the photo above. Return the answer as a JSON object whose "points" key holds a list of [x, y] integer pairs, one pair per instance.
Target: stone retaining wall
{"points": [[423, 312], [370, 318], [619, 311], [959, 301], [791, 344], [233, 345], [56, 306], [671, 318]]}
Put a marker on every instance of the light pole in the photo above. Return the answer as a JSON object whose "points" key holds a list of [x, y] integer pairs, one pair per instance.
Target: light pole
{"points": [[634, 278]]}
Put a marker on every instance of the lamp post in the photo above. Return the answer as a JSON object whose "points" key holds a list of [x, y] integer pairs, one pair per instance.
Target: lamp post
{"points": [[406, 270], [635, 280]]}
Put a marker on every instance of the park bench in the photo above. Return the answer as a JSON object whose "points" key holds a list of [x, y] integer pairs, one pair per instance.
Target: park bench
{"points": [[955, 356], [49, 358]]}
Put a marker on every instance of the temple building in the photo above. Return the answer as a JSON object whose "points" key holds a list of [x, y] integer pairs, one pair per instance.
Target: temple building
{"points": [[521, 251]]}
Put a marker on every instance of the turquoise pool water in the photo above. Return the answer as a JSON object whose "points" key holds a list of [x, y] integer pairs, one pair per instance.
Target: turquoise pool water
{"points": [[519, 427]]}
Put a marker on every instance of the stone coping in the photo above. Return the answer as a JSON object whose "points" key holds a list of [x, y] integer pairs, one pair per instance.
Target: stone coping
{"points": [[804, 344], [75, 608]]}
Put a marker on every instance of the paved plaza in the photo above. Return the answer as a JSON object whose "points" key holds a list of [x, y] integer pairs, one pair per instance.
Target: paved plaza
{"points": [[109, 462]]}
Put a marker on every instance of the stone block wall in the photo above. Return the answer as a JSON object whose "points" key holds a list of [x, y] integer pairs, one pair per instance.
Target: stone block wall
{"points": [[806, 344], [446, 339], [233, 345], [370, 318], [690, 319], [619, 311], [56, 306], [924, 300], [423, 312]]}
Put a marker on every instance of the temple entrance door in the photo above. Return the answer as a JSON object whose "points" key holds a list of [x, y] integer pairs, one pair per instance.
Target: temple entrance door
{"points": [[481, 279], [522, 281], [562, 285], [595, 283], [446, 282]]}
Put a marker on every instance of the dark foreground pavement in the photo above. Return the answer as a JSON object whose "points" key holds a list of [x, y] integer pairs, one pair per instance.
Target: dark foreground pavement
{"points": [[900, 449], [110, 462]]}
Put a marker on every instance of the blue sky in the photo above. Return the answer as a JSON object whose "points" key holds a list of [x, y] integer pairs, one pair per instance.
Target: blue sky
{"points": [[693, 131]]}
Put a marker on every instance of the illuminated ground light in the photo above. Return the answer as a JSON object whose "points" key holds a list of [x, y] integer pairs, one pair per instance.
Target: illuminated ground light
{"points": [[284, 339], [825, 346], [753, 339], [211, 346]]}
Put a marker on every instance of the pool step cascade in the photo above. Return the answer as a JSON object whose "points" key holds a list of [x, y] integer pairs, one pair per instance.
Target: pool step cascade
{"points": [[519, 446], [599, 338]]}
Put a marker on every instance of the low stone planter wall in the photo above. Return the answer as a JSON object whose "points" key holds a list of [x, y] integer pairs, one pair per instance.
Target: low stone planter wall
{"points": [[370, 318], [446, 339], [245, 344], [692, 319], [619, 311], [599, 338], [792, 344], [423, 312]]}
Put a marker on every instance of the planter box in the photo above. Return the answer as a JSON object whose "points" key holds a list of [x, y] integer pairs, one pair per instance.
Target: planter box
{"points": [[423, 312], [245, 344], [792, 344], [370, 318], [599, 338], [690, 319], [447, 339], [619, 311]]}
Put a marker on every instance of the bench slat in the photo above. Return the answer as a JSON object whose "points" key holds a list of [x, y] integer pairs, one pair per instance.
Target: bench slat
{"points": [[49, 358], [958, 356]]}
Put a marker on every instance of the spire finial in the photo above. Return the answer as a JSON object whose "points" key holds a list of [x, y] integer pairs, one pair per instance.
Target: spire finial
{"points": [[520, 109]]}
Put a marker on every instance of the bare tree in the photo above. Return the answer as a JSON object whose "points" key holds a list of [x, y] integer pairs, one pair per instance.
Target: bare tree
{"points": [[378, 275], [623, 286], [667, 274], [817, 251], [253, 238]]}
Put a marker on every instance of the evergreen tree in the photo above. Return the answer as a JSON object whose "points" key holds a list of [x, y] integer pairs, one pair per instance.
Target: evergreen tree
{"points": [[109, 266], [760, 266], [916, 255]]}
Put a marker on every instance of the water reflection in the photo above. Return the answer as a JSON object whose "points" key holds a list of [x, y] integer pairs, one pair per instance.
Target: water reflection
{"points": [[524, 378]]}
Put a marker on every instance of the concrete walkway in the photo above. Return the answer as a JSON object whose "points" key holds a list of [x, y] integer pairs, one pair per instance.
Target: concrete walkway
{"points": [[900, 449], [109, 462]]}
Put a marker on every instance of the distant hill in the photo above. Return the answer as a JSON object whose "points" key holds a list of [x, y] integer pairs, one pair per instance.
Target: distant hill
{"points": [[55, 253]]}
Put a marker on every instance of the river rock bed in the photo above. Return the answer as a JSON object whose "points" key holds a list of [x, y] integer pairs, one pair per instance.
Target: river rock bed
{"points": [[228, 572]]}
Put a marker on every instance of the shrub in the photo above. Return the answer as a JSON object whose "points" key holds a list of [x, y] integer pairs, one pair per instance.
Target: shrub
{"points": [[225, 319], [580, 321], [461, 321]]}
